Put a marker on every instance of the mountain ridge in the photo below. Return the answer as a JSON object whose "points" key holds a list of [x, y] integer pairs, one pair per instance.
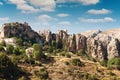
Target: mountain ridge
{"points": [[95, 43]]}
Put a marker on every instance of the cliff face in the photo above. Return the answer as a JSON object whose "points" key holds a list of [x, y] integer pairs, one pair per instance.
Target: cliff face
{"points": [[19, 30], [100, 45]]}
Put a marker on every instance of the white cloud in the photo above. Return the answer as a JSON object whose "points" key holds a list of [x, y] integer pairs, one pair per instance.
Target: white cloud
{"points": [[22, 5], [106, 19], [1, 3], [88, 2], [4, 19], [46, 18], [48, 5], [30, 6], [96, 12], [62, 15], [64, 23], [84, 2]]}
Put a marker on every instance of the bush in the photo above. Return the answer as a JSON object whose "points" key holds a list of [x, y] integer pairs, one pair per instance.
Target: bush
{"points": [[7, 69], [87, 76], [81, 52], [37, 55], [9, 49], [19, 41], [16, 51], [110, 73], [3, 43], [68, 55], [62, 53], [91, 59], [1, 48], [42, 73], [114, 63], [37, 47], [23, 78], [103, 63], [77, 62]]}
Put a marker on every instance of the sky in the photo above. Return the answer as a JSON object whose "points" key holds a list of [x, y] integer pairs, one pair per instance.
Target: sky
{"points": [[74, 15]]}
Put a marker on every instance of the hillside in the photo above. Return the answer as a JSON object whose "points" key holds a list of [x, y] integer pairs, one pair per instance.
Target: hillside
{"points": [[91, 55]]}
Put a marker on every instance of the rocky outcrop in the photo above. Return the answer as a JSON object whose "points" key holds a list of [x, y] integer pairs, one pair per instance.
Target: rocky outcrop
{"points": [[100, 45], [80, 42], [104, 45], [48, 36], [19, 30], [72, 43], [29, 52], [113, 48], [96, 49], [61, 35], [76, 42], [91, 33]]}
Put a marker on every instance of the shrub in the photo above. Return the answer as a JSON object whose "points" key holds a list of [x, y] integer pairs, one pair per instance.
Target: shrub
{"points": [[42, 73], [67, 63], [62, 53], [68, 55], [91, 59], [7, 68], [3, 43], [81, 52], [9, 49], [37, 55], [114, 63], [23, 78], [103, 63], [87, 76], [19, 41], [16, 51], [1, 48], [77, 62], [110, 73], [37, 47]]}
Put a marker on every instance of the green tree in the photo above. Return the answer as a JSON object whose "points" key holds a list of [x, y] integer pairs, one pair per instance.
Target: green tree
{"points": [[7, 68], [19, 41], [3, 43], [1, 48], [37, 47], [9, 49], [38, 52], [16, 51]]}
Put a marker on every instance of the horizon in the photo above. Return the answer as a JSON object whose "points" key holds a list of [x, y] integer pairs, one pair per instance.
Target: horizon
{"points": [[74, 15]]}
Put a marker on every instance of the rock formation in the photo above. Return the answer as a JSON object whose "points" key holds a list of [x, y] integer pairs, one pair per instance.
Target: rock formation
{"points": [[113, 48], [80, 42], [100, 45], [19, 30]]}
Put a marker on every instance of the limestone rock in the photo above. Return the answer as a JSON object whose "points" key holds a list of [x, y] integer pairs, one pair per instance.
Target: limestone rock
{"points": [[113, 48], [72, 43], [91, 33], [96, 49], [29, 52], [61, 35], [80, 42], [23, 31]]}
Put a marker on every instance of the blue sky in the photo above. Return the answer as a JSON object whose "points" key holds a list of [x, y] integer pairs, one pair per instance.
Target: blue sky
{"points": [[74, 15]]}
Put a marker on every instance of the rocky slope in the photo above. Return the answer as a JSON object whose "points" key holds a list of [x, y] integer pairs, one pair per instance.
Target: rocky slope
{"points": [[100, 45]]}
